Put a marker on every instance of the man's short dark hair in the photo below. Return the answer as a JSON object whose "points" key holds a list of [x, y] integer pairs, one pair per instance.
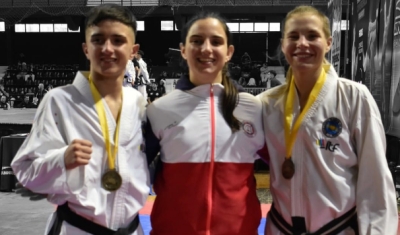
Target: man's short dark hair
{"points": [[272, 72], [111, 12], [141, 53]]}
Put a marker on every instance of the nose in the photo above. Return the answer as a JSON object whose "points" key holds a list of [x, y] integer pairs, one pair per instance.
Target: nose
{"points": [[206, 47], [107, 47], [302, 42]]}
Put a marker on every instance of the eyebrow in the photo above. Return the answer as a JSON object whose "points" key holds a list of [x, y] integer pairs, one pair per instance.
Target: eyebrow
{"points": [[102, 35], [309, 31], [213, 36]]}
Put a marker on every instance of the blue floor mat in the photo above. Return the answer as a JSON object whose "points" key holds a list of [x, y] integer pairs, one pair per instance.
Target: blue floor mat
{"points": [[145, 221]]}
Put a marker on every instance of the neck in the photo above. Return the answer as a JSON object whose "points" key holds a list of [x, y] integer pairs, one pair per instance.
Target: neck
{"points": [[305, 81], [108, 87], [197, 80]]}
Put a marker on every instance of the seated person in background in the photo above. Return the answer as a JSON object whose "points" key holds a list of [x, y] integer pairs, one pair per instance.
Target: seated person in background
{"points": [[49, 87], [40, 93], [3, 103], [26, 103], [252, 82], [246, 62], [153, 93], [272, 78], [243, 79]]}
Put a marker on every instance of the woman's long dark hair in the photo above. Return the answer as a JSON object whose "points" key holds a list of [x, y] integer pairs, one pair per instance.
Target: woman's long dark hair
{"points": [[230, 96]]}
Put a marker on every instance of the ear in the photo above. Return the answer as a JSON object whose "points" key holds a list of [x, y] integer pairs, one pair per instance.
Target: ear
{"points": [[329, 44], [85, 50], [183, 51], [135, 49], [231, 50]]}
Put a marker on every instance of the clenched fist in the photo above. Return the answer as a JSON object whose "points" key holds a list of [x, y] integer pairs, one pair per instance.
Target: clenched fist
{"points": [[78, 153]]}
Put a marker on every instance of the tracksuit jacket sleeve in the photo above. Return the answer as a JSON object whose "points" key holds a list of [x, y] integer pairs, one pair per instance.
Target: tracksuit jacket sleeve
{"points": [[39, 163], [375, 193], [152, 143]]}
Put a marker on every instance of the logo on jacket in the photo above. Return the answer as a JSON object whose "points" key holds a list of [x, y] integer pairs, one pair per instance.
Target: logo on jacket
{"points": [[332, 127], [248, 129], [327, 145]]}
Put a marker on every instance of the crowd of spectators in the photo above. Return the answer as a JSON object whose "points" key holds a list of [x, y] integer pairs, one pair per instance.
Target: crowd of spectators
{"points": [[24, 85]]}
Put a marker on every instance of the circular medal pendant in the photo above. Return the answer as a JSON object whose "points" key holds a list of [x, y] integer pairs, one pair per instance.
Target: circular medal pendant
{"points": [[288, 168], [111, 180]]}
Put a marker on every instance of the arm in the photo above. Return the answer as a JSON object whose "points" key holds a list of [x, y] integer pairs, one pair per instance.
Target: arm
{"points": [[375, 192], [152, 143], [39, 165], [130, 71], [145, 73]]}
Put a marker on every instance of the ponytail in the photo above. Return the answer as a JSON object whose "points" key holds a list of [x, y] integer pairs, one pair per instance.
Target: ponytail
{"points": [[230, 100]]}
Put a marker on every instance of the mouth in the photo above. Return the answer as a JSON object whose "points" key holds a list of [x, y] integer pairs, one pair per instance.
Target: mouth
{"points": [[303, 55], [108, 60], [206, 61]]}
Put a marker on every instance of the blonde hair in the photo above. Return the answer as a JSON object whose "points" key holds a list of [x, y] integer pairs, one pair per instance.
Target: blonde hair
{"points": [[303, 10]]}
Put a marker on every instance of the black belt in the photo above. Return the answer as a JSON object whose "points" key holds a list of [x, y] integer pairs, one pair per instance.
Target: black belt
{"points": [[349, 219], [64, 213]]}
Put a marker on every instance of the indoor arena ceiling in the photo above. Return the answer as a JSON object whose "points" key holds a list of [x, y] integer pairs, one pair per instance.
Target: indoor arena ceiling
{"points": [[58, 3], [14, 11]]}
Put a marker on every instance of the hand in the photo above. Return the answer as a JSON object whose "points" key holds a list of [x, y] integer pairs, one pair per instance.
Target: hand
{"points": [[24, 192], [78, 153]]}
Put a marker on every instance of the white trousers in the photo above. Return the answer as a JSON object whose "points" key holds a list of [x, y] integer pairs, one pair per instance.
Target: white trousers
{"points": [[142, 89]]}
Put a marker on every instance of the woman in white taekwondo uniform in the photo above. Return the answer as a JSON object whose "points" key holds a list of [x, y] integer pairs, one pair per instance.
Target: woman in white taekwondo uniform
{"points": [[208, 133], [326, 142], [84, 148]]}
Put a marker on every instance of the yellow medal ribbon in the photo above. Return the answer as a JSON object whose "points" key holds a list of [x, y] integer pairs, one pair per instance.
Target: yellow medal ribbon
{"points": [[290, 135], [111, 156]]}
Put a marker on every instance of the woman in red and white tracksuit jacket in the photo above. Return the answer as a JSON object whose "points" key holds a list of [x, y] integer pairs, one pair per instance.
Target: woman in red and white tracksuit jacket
{"points": [[208, 134]]}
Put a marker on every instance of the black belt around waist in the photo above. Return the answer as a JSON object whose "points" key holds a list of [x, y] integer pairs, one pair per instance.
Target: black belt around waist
{"points": [[349, 219], [64, 213]]}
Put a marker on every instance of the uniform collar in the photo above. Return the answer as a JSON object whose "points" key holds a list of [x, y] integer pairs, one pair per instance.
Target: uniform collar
{"points": [[185, 84]]}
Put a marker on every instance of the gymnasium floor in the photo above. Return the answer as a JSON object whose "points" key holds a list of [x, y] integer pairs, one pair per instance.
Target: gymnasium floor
{"points": [[19, 216]]}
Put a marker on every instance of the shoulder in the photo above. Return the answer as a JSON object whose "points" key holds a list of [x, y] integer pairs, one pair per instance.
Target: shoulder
{"points": [[168, 102], [248, 99], [273, 93], [60, 93], [354, 88]]}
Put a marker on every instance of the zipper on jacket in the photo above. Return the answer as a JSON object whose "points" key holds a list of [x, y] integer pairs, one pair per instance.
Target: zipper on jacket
{"points": [[212, 157]]}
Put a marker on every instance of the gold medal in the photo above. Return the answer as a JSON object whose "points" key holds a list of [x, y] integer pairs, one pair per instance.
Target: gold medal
{"points": [[288, 168], [111, 180]]}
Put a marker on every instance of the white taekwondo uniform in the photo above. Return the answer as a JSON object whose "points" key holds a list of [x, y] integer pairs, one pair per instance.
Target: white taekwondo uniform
{"points": [[339, 158], [130, 74], [69, 113]]}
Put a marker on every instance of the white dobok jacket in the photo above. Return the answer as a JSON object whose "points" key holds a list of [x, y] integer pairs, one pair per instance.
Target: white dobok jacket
{"points": [[339, 158], [68, 113]]}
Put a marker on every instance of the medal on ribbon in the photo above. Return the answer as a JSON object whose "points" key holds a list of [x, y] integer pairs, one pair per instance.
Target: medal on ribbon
{"points": [[111, 179], [288, 167]]}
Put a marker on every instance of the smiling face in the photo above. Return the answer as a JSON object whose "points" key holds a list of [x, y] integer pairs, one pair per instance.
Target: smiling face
{"points": [[109, 45], [206, 51], [304, 43]]}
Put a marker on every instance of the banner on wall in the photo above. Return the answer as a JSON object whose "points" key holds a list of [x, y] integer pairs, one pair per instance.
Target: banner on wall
{"points": [[394, 110], [360, 32], [384, 60], [335, 17]]}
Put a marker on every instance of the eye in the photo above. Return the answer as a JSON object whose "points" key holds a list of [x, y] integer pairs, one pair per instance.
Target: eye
{"points": [[97, 40], [118, 41], [293, 36], [216, 42], [196, 41], [312, 37]]}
